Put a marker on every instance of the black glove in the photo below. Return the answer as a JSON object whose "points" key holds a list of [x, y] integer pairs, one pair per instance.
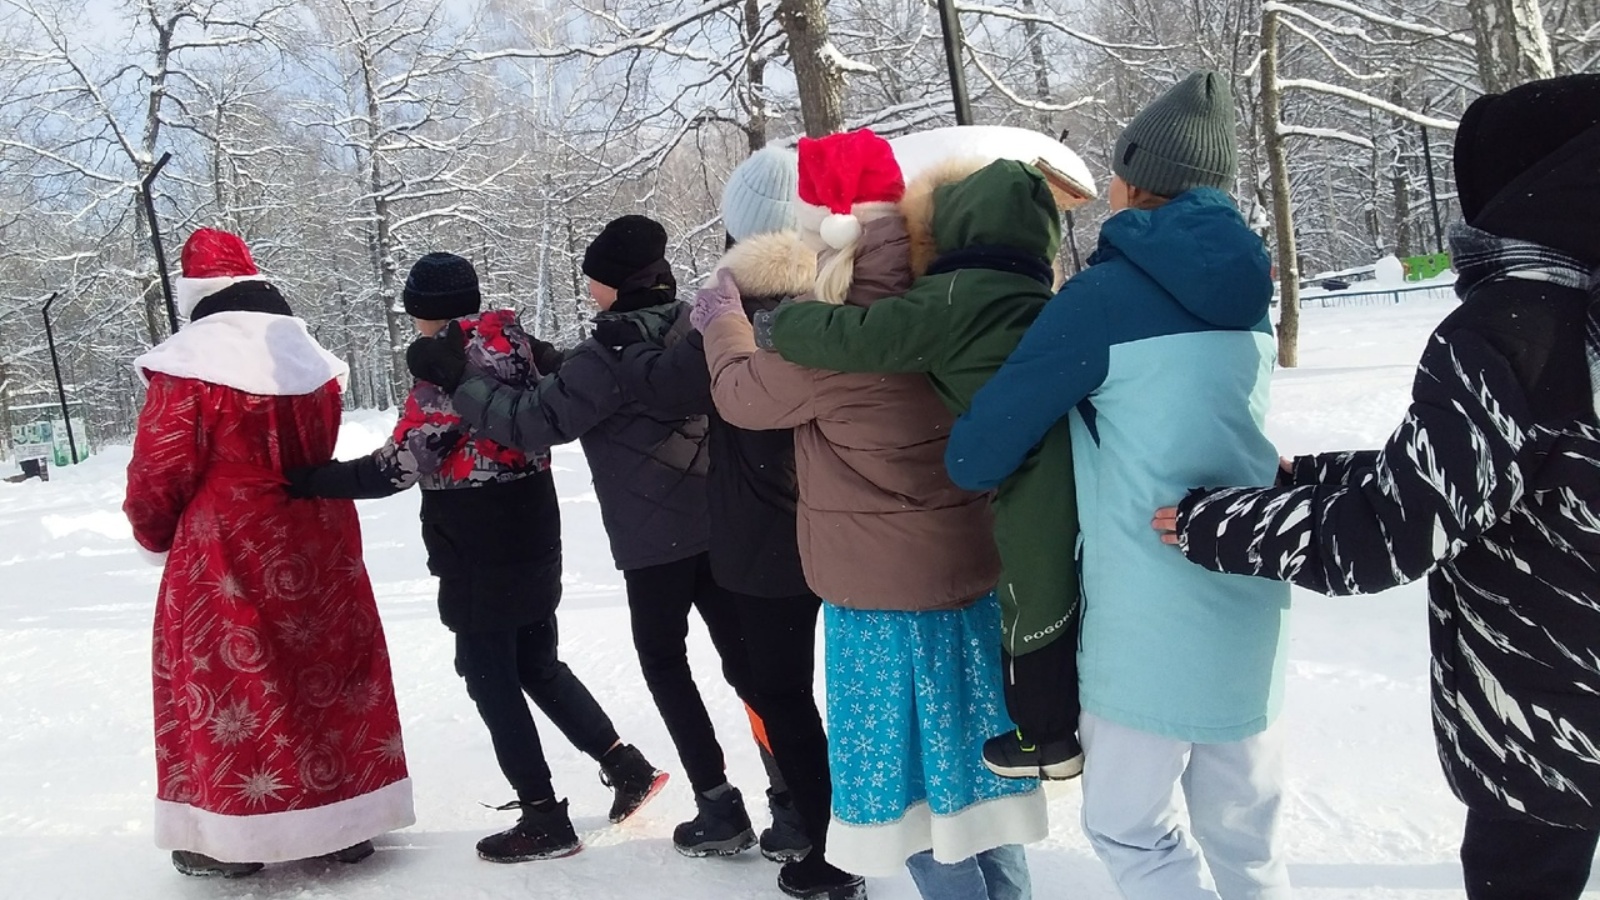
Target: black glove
{"points": [[546, 357], [299, 486], [616, 333], [441, 359]]}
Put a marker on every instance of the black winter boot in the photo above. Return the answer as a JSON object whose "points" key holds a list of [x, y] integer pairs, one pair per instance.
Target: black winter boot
{"points": [[353, 854], [813, 879], [1013, 756], [543, 832], [721, 828], [786, 840], [202, 866], [632, 779]]}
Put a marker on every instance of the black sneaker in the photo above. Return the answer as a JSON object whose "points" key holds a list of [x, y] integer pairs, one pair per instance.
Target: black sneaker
{"points": [[1013, 756], [813, 879], [202, 866], [543, 832], [352, 854], [633, 780], [720, 828], [786, 840]]}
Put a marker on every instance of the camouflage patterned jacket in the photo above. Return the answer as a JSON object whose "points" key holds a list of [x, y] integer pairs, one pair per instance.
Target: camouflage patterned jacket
{"points": [[430, 446]]}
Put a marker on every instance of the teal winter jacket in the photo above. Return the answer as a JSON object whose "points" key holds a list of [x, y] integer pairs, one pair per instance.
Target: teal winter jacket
{"points": [[1161, 354]]}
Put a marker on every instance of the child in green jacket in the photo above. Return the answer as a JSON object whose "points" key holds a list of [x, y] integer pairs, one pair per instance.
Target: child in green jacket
{"points": [[983, 242]]}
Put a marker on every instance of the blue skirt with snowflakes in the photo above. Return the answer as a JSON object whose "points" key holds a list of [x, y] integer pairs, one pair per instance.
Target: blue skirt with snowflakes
{"points": [[912, 696]]}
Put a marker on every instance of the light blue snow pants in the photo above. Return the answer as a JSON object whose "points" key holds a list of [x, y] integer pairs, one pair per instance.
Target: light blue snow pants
{"points": [[1227, 848]]}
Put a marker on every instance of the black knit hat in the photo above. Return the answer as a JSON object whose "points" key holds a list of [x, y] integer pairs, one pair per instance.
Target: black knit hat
{"points": [[625, 247], [1503, 136], [442, 286]]}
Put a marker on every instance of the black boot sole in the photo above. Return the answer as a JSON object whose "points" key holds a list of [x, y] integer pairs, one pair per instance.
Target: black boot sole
{"points": [[655, 788], [855, 891], [210, 872], [1065, 770], [557, 853], [731, 847], [351, 855], [786, 855]]}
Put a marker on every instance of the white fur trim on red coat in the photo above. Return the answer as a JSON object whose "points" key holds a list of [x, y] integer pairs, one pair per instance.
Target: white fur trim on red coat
{"points": [[258, 353], [286, 836], [188, 292]]}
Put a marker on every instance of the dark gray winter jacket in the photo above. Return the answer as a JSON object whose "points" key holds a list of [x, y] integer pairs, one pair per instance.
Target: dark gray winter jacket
{"points": [[649, 468]]}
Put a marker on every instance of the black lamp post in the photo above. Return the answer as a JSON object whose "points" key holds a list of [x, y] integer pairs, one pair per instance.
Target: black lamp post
{"points": [[155, 238], [61, 390], [950, 23]]}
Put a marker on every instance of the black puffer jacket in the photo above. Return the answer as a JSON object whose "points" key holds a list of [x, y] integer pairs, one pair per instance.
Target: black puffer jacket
{"points": [[1490, 489], [754, 550], [649, 468]]}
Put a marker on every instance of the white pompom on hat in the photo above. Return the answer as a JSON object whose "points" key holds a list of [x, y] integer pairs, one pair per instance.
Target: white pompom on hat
{"points": [[840, 173]]}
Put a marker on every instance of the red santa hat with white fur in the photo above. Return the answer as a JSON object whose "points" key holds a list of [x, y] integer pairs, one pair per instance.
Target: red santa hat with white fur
{"points": [[844, 177], [212, 260]]}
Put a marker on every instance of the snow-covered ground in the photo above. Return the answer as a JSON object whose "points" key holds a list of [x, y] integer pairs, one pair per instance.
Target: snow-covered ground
{"points": [[1368, 815]]}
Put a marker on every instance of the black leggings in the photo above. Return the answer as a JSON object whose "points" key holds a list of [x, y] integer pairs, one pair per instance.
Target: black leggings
{"points": [[781, 636], [659, 600], [1508, 857], [498, 667]]}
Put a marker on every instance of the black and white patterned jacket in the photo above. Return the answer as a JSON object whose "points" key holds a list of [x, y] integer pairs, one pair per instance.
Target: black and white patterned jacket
{"points": [[1491, 489]]}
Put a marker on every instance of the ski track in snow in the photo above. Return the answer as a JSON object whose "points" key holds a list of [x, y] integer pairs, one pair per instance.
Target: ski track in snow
{"points": [[1368, 813]]}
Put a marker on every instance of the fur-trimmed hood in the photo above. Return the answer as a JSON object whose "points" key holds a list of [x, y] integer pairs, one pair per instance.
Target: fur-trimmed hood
{"points": [[917, 206], [999, 202], [776, 265]]}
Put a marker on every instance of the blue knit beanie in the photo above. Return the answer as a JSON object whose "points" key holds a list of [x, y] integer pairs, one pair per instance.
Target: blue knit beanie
{"points": [[760, 195]]}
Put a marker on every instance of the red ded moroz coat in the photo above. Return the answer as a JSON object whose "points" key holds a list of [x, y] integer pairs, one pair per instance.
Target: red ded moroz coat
{"points": [[277, 735]]}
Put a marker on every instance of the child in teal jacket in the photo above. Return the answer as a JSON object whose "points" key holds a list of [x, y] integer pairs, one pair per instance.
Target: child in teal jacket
{"points": [[1160, 354]]}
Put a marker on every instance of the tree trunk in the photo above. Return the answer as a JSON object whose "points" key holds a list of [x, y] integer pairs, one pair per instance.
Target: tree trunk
{"points": [[1041, 65], [820, 81], [755, 128], [1282, 203], [382, 247], [1512, 46]]}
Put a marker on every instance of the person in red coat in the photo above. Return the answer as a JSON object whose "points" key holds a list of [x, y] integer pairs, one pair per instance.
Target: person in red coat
{"points": [[277, 735]]}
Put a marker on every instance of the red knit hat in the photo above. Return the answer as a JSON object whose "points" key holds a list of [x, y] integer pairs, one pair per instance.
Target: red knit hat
{"points": [[839, 171], [212, 260]]}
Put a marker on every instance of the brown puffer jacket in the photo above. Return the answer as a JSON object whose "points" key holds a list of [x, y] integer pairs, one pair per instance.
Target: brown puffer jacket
{"points": [[881, 526]]}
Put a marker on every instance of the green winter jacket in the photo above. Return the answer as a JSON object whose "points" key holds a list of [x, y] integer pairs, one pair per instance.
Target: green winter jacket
{"points": [[995, 233]]}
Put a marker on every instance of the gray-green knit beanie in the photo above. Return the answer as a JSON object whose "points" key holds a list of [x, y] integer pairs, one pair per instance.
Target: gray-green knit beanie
{"points": [[1184, 140]]}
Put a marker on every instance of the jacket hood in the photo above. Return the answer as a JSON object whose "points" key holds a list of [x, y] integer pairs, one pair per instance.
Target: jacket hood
{"points": [[778, 264], [1198, 249], [497, 344], [1004, 204], [970, 201], [1556, 203]]}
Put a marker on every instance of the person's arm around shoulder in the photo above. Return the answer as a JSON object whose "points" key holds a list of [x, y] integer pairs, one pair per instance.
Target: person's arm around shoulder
{"points": [[756, 390], [559, 409], [1061, 360], [894, 334], [1449, 473], [671, 381]]}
